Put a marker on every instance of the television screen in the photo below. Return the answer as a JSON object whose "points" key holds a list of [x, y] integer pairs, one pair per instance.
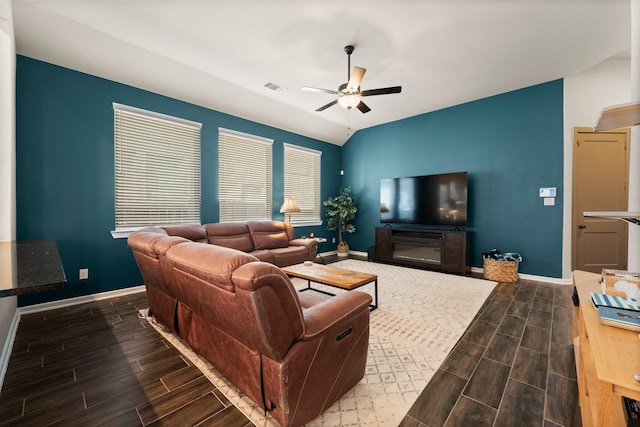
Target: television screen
{"points": [[425, 200]]}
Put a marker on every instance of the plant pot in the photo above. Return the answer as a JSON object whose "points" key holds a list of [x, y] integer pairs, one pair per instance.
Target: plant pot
{"points": [[343, 249]]}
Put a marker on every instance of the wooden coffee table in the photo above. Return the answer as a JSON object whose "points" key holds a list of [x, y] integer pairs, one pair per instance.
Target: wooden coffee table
{"points": [[335, 277]]}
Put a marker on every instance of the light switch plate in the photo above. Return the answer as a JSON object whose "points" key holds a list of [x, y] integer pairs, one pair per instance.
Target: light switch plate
{"points": [[549, 201]]}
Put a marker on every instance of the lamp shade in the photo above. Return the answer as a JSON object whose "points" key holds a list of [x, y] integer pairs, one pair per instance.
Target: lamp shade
{"points": [[289, 206]]}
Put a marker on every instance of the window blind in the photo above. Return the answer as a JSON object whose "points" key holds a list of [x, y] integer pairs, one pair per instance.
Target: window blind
{"points": [[302, 182], [157, 169], [244, 176]]}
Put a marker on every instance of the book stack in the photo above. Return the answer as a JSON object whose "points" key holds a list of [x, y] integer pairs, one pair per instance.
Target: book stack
{"points": [[617, 311]]}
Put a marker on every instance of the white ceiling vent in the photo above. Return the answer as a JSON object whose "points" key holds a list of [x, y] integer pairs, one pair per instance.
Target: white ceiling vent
{"points": [[275, 87]]}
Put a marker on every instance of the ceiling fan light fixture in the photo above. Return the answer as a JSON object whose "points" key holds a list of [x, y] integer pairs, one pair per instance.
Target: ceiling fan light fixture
{"points": [[349, 101]]}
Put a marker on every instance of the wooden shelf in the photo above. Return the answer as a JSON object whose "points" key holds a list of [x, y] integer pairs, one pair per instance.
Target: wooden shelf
{"points": [[630, 217], [606, 360], [619, 116]]}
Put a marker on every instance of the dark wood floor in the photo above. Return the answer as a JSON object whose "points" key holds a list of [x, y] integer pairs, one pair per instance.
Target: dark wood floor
{"points": [[99, 364], [514, 366]]}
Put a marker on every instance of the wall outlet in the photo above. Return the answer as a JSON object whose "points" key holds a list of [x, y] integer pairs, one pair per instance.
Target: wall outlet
{"points": [[84, 273]]}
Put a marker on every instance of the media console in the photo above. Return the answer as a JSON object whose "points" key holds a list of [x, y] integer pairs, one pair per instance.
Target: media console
{"points": [[441, 250]]}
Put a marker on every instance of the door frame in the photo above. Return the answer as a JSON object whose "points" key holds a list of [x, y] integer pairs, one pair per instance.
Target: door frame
{"points": [[574, 226]]}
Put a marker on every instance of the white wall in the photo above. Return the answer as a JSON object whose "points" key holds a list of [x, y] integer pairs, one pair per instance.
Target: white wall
{"points": [[8, 305], [585, 95], [7, 124], [634, 170]]}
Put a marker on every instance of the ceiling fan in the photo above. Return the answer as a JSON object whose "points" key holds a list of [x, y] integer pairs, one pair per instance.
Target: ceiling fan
{"points": [[349, 93]]}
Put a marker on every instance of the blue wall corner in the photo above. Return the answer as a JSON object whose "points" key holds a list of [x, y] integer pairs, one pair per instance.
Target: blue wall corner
{"points": [[510, 144]]}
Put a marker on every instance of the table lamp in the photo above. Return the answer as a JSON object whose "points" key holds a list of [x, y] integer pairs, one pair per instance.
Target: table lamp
{"points": [[289, 206]]}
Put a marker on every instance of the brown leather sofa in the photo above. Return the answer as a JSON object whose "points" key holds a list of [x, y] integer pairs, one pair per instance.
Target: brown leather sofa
{"points": [[269, 241], [294, 354]]}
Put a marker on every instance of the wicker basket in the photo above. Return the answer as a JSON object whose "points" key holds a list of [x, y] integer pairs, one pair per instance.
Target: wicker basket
{"points": [[500, 271]]}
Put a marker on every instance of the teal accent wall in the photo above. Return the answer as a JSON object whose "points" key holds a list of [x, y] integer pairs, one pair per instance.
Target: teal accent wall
{"points": [[510, 144], [65, 169]]}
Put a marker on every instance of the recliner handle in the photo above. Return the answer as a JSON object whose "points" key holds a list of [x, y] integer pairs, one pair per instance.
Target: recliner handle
{"points": [[344, 333]]}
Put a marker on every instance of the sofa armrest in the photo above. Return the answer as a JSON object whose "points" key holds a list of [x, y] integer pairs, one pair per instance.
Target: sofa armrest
{"points": [[326, 314], [310, 244], [303, 242]]}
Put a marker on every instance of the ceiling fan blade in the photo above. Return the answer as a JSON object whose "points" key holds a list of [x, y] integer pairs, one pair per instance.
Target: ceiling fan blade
{"points": [[381, 91], [324, 107], [363, 107], [356, 77], [317, 89]]}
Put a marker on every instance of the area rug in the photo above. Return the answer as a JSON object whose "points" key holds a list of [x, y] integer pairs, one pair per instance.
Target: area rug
{"points": [[420, 317]]}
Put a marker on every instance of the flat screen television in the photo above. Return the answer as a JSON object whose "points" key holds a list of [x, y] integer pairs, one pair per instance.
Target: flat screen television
{"points": [[437, 200]]}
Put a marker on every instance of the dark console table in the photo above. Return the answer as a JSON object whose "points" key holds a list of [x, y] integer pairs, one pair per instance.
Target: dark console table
{"points": [[441, 250], [35, 263]]}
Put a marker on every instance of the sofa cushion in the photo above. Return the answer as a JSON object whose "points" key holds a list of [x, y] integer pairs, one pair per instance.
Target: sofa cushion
{"points": [[288, 228], [268, 234], [211, 263], [309, 299], [283, 257], [144, 241], [233, 235], [193, 232], [264, 255]]}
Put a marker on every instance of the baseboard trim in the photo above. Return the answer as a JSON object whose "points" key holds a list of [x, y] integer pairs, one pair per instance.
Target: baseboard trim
{"points": [[8, 346], [358, 253], [36, 308], [554, 280]]}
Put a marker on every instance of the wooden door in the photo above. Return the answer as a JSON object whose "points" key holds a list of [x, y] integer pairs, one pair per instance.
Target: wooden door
{"points": [[600, 183]]}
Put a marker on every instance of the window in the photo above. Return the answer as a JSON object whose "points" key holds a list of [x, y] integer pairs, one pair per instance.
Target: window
{"points": [[157, 169], [244, 176], [302, 183]]}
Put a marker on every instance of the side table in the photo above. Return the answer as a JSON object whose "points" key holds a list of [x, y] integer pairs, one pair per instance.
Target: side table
{"points": [[321, 241]]}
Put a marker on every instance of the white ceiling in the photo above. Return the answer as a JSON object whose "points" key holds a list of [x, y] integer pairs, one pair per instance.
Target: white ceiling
{"points": [[219, 54]]}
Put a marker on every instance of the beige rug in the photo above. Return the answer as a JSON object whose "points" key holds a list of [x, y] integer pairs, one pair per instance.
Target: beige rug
{"points": [[420, 317]]}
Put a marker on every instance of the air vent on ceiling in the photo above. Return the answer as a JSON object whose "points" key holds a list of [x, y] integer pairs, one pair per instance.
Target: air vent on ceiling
{"points": [[275, 87]]}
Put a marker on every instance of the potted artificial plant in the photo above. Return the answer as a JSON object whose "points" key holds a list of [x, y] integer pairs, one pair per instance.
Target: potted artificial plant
{"points": [[341, 210]]}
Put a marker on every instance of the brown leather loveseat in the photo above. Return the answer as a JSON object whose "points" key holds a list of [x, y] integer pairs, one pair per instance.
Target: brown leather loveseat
{"points": [[294, 354]]}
